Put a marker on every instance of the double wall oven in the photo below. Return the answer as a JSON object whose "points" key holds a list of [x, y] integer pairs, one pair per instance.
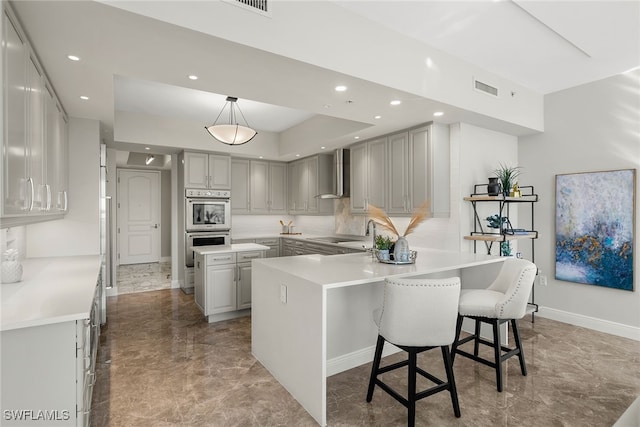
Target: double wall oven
{"points": [[207, 220]]}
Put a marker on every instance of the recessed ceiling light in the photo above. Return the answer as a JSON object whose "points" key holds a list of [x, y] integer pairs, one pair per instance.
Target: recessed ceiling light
{"points": [[147, 148], [438, 114], [340, 88], [193, 77], [84, 98], [327, 105], [323, 147], [377, 117], [261, 157], [297, 155], [73, 57], [356, 137], [396, 102]]}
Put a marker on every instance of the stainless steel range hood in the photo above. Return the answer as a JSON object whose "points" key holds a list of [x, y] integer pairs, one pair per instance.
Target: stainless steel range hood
{"points": [[341, 175]]}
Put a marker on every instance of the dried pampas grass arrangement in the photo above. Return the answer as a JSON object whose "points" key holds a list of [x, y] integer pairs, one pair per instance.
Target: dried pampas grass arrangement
{"points": [[381, 218]]}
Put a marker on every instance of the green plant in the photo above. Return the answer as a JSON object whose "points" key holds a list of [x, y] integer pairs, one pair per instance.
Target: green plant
{"points": [[505, 248], [383, 242], [507, 176], [496, 221]]}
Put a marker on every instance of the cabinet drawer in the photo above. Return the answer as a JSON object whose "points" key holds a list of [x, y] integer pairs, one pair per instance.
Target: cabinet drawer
{"points": [[222, 258], [248, 256]]}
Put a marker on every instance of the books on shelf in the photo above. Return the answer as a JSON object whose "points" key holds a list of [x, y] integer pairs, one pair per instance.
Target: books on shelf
{"points": [[516, 231]]}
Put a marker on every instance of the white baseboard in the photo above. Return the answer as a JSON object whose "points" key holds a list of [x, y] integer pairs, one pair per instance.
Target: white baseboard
{"points": [[175, 284], [357, 358], [588, 322]]}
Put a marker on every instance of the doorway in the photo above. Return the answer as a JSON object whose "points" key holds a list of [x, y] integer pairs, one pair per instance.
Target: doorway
{"points": [[138, 216]]}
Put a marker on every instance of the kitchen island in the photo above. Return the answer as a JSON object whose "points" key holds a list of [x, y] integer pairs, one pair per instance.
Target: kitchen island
{"points": [[311, 314], [222, 288]]}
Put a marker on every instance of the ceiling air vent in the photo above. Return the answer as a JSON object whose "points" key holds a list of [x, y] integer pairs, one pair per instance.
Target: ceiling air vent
{"points": [[256, 5], [483, 87]]}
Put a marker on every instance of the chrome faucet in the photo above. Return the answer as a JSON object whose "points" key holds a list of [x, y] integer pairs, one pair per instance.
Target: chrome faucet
{"points": [[373, 245]]}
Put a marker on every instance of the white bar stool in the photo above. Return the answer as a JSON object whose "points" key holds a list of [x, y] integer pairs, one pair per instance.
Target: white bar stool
{"points": [[505, 300], [417, 315]]}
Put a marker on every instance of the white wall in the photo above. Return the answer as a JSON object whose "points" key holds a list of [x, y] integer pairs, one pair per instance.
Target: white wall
{"points": [[78, 233], [593, 127]]}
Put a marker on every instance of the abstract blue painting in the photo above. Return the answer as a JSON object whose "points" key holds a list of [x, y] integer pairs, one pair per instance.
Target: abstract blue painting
{"points": [[595, 228]]}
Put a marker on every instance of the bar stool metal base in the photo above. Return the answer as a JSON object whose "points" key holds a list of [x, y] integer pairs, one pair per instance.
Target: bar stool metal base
{"points": [[412, 395], [498, 349]]}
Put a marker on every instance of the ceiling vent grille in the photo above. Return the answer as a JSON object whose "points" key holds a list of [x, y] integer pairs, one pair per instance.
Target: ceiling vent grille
{"points": [[483, 87], [258, 5]]}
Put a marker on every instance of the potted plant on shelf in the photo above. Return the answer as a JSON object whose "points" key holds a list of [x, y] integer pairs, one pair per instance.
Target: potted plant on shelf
{"points": [[507, 176], [383, 245], [500, 223]]}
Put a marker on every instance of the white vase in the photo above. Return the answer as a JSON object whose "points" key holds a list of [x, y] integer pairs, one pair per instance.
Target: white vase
{"points": [[401, 250], [11, 271]]}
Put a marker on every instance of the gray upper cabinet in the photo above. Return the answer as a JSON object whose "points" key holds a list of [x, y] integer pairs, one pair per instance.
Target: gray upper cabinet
{"points": [[240, 191], [34, 138], [368, 175], [204, 170], [308, 178], [398, 160], [258, 187], [402, 170], [268, 187]]}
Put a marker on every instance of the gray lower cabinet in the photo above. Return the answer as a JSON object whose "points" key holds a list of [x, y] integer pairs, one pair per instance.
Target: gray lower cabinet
{"points": [[223, 283], [274, 246]]}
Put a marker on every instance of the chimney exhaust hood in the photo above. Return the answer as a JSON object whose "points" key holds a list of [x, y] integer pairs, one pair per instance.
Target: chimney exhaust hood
{"points": [[341, 175]]}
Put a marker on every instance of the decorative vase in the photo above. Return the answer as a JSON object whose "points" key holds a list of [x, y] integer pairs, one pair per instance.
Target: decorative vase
{"points": [[11, 269], [493, 188], [401, 250]]}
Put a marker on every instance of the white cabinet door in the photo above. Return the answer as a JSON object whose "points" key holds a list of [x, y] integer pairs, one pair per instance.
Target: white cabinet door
{"points": [[35, 134], [53, 153], [219, 175], [196, 170], [398, 162], [259, 186], [377, 174], [61, 198], [240, 186], [359, 179], [292, 188], [220, 290], [244, 285], [277, 187], [14, 52]]}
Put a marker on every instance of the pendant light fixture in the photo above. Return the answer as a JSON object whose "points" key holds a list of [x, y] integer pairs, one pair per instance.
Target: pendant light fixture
{"points": [[232, 133]]}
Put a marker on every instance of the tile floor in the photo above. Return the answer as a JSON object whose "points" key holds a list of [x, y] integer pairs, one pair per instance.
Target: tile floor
{"points": [[143, 277], [161, 364]]}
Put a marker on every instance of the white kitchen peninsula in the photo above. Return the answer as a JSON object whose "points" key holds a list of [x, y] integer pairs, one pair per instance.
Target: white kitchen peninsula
{"points": [[311, 314]]}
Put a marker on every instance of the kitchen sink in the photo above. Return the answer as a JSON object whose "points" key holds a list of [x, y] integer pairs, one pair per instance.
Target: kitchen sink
{"points": [[333, 239]]}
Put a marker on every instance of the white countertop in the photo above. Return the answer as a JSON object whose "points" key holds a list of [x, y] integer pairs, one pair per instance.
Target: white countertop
{"points": [[237, 247], [358, 268], [52, 290]]}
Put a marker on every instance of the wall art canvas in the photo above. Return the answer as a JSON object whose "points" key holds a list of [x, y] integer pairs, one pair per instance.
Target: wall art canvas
{"points": [[595, 214]]}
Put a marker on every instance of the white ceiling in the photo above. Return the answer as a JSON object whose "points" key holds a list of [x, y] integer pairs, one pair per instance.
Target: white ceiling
{"points": [[130, 63]]}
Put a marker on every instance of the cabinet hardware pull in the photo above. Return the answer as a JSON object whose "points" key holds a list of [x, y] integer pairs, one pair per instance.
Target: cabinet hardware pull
{"points": [[31, 192], [48, 188], [65, 200]]}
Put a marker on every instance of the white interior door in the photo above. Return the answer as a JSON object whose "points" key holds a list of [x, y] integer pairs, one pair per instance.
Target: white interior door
{"points": [[138, 216]]}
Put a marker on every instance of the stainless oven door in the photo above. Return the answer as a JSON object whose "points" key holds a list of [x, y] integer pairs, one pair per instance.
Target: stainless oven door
{"points": [[207, 214], [203, 239]]}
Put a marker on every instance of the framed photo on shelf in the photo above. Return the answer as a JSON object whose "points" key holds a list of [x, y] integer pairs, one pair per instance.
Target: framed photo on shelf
{"points": [[595, 228]]}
